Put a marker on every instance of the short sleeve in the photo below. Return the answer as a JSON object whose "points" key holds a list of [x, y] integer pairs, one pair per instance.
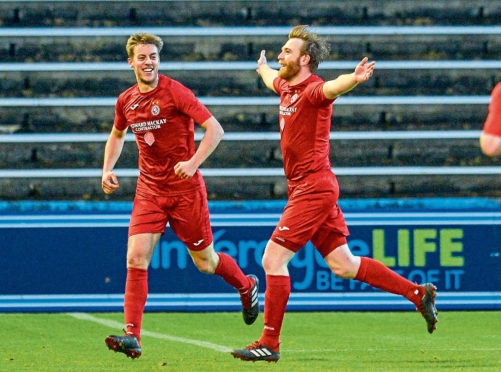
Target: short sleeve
{"points": [[492, 124], [187, 103], [120, 121], [316, 96], [279, 84]]}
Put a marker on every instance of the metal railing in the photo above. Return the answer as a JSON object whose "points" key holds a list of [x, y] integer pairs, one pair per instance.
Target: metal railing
{"points": [[256, 172], [247, 31], [255, 101], [246, 65], [261, 172], [247, 136]]}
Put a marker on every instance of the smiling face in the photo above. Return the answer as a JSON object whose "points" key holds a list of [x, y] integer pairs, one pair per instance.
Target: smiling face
{"points": [[291, 59], [145, 63]]}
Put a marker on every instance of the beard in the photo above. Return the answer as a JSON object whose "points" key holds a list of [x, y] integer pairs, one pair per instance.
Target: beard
{"points": [[290, 70]]}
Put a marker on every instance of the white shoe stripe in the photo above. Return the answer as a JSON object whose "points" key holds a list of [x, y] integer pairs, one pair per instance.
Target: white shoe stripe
{"points": [[266, 351], [254, 302], [261, 352], [255, 353]]}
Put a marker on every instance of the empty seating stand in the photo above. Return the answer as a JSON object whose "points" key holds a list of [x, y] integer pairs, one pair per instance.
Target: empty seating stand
{"points": [[62, 65]]}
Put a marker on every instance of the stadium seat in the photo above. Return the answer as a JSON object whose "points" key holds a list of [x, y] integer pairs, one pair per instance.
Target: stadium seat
{"points": [[383, 45]]}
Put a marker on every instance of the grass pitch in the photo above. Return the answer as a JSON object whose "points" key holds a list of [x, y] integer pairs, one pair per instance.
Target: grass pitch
{"points": [[311, 341]]}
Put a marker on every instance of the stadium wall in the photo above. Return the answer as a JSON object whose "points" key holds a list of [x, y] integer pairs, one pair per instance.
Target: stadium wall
{"points": [[70, 256]]}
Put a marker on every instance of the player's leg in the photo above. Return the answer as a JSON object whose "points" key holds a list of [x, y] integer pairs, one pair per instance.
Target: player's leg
{"points": [[223, 265], [147, 223], [310, 202], [139, 252], [190, 221], [345, 265], [278, 287]]}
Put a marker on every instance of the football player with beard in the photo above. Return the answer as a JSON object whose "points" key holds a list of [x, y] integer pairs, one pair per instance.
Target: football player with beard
{"points": [[312, 212]]}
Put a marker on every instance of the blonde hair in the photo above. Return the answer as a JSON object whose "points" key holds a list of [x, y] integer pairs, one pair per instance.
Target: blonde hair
{"points": [[142, 38], [313, 46]]}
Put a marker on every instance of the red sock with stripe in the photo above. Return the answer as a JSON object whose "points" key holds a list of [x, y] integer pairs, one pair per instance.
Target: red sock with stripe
{"points": [[278, 289], [231, 273], [136, 293], [378, 275]]}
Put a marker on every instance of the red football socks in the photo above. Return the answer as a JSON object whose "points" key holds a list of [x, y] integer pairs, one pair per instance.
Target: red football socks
{"points": [[136, 292], [378, 275], [278, 289], [231, 273]]}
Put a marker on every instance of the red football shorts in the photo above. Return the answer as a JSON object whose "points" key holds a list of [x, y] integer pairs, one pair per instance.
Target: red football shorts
{"points": [[187, 215], [312, 214]]}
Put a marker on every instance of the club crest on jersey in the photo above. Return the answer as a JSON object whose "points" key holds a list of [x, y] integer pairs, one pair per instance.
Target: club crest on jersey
{"points": [[155, 110], [149, 138], [294, 98]]}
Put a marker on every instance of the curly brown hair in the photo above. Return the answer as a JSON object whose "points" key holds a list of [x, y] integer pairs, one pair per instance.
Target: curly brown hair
{"points": [[313, 46]]}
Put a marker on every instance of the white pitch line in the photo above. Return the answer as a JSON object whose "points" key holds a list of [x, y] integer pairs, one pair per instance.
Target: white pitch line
{"points": [[114, 324]]}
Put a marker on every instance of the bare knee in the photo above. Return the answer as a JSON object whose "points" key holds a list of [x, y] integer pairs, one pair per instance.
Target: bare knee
{"points": [[206, 260], [268, 263], [343, 272], [137, 261], [140, 249], [204, 265], [342, 263], [274, 265]]}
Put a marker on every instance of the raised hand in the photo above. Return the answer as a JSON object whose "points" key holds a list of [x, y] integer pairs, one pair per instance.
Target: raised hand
{"points": [[262, 59], [364, 70]]}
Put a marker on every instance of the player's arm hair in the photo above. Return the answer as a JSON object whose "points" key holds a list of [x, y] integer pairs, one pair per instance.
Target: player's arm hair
{"points": [[490, 144], [113, 148], [213, 134]]}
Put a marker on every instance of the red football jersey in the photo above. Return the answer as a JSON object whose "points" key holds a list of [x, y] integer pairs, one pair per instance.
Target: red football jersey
{"points": [[305, 122], [163, 122], [493, 122]]}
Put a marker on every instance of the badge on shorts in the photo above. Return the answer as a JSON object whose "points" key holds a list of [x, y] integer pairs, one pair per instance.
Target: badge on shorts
{"points": [[149, 138]]}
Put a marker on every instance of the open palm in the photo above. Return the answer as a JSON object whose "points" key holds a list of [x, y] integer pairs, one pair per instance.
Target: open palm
{"points": [[364, 70]]}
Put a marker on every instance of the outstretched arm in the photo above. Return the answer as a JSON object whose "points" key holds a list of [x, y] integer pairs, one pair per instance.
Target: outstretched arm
{"points": [[490, 144], [266, 72], [213, 134], [112, 151], [490, 139], [345, 83]]}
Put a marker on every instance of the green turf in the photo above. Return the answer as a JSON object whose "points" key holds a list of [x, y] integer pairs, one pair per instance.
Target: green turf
{"points": [[326, 341]]}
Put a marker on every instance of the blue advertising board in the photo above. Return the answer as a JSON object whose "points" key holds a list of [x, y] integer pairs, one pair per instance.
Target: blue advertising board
{"points": [[73, 259]]}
